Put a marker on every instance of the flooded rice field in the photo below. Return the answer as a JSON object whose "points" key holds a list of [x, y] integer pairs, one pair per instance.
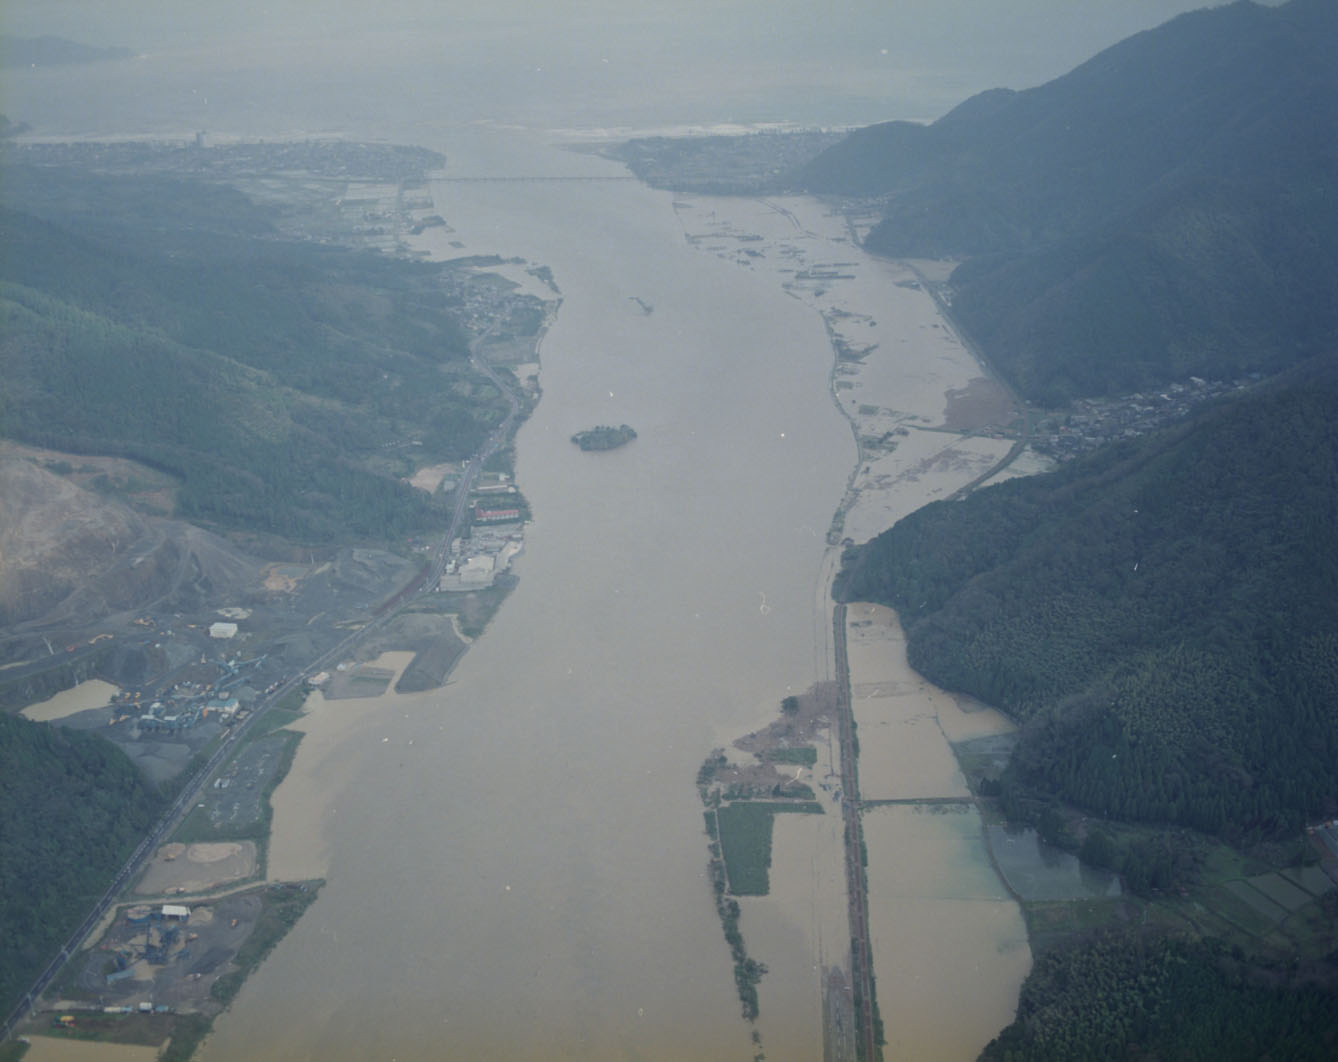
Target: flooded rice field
{"points": [[949, 942]]}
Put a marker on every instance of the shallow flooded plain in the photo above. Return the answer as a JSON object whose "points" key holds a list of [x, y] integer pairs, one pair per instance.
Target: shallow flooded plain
{"points": [[950, 945], [801, 926]]}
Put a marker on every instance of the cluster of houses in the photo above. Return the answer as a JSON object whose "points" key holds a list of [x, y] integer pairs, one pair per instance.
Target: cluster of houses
{"points": [[1092, 422]]}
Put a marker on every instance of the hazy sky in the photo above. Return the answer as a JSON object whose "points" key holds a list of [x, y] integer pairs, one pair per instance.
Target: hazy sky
{"points": [[884, 58]]}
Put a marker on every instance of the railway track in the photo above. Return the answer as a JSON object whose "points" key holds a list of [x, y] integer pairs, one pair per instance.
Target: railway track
{"points": [[861, 955]]}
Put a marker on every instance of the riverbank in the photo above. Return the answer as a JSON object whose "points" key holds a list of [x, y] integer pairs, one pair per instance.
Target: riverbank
{"points": [[927, 421], [231, 809], [304, 803], [925, 415], [230, 922]]}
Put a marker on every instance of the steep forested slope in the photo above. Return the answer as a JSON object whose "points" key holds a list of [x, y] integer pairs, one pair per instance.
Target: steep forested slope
{"points": [[1126, 995], [1159, 615], [72, 808], [1165, 209], [163, 320]]}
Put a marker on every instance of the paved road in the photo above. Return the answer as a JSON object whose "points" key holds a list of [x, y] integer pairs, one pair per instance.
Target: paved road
{"points": [[494, 442], [532, 180]]}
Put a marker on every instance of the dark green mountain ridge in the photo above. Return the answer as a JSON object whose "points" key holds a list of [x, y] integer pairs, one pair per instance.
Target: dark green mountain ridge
{"points": [[1132, 995], [72, 808], [1158, 615], [165, 320], [1165, 209]]}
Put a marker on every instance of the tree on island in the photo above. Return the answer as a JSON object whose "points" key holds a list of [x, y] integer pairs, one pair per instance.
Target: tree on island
{"points": [[604, 437]]}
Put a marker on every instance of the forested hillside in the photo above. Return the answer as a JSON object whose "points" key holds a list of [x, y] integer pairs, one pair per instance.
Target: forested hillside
{"points": [[72, 808], [1165, 209], [1127, 995], [1215, 277], [286, 384], [1159, 615]]}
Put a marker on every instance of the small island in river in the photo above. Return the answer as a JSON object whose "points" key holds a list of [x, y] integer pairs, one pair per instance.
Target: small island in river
{"points": [[603, 437]]}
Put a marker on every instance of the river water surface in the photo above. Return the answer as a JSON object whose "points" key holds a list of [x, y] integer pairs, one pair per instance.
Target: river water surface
{"points": [[516, 862]]}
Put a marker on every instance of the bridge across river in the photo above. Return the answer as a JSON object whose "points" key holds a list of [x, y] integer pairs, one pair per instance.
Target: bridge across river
{"points": [[515, 180]]}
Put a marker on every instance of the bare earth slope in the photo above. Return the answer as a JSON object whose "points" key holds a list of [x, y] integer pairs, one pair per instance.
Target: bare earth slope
{"points": [[67, 554]]}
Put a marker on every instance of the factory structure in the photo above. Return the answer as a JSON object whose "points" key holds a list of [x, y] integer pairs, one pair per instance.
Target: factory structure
{"points": [[496, 535], [224, 697]]}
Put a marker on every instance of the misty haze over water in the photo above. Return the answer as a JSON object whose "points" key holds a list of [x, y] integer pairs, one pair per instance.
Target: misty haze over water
{"points": [[257, 68]]}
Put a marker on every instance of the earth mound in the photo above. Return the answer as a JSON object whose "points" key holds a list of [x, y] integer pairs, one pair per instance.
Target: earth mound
{"points": [[70, 555]]}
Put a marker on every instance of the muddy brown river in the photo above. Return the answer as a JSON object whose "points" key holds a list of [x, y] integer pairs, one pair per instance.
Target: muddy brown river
{"points": [[516, 862]]}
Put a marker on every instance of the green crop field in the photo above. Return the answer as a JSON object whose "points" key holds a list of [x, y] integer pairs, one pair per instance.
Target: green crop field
{"points": [[745, 842]]}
